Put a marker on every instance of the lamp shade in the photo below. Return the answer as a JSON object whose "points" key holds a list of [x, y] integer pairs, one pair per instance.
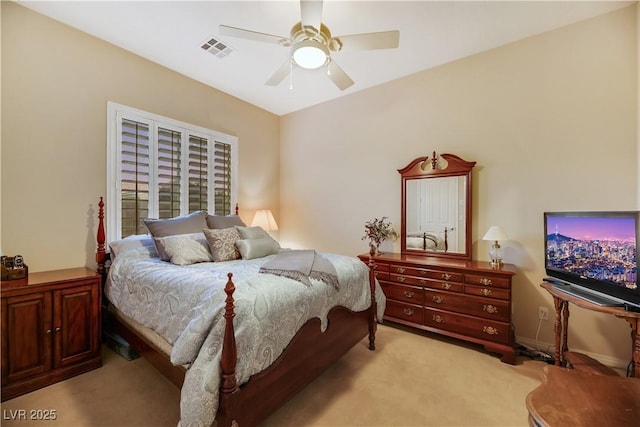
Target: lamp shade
{"points": [[495, 233], [264, 218]]}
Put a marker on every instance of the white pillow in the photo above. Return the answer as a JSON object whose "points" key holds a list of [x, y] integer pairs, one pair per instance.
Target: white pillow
{"points": [[185, 249]]}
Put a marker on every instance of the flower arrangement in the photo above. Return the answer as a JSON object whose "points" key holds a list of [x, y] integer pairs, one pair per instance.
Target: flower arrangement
{"points": [[377, 231]]}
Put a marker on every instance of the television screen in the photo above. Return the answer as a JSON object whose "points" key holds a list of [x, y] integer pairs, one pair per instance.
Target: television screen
{"points": [[596, 250]]}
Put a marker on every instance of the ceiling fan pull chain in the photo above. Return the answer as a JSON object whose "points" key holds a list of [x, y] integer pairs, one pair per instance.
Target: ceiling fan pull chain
{"points": [[291, 74]]}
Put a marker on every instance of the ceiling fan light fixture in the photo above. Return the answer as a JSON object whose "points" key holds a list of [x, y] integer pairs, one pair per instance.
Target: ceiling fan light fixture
{"points": [[310, 54]]}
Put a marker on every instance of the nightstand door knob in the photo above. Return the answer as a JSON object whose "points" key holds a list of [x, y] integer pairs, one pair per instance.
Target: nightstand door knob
{"points": [[57, 329], [48, 331]]}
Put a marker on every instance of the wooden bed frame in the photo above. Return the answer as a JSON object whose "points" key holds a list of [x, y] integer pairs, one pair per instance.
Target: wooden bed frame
{"points": [[309, 353]]}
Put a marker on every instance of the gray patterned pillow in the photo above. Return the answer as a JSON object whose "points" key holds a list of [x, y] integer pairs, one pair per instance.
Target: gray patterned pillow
{"points": [[222, 243], [185, 249]]}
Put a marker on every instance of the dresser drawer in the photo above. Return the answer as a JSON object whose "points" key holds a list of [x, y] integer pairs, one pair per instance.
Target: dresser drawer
{"points": [[474, 306], [441, 285], [484, 329], [487, 280], [485, 291], [404, 311], [408, 294]]}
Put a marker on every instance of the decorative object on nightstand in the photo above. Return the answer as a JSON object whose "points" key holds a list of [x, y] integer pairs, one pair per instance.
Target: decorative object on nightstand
{"points": [[496, 234], [377, 231], [264, 218]]}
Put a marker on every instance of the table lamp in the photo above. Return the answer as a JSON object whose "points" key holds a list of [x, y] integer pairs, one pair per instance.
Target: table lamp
{"points": [[264, 218], [495, 233]]}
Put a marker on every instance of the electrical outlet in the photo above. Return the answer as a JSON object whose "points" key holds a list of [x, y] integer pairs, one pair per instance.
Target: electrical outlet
{"points": [[543, 313]]}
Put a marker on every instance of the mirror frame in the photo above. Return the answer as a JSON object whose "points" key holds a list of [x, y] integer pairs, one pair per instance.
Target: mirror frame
{"points": [[427, 168]]}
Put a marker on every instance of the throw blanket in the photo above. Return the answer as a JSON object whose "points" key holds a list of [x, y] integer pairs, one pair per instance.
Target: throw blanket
{"points": [[302, 265]]}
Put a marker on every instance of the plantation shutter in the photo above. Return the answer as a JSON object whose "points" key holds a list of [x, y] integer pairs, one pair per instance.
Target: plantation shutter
{"points": [[198, 173], [222, 178], [134, 173], [158, 167], [169, 172]]}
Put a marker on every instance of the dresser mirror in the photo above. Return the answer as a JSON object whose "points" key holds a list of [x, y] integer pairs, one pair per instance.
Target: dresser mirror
{"points": [[436, 207]]}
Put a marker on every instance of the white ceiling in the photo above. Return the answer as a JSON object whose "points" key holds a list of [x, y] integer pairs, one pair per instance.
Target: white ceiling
{"points": [[170, 33]]}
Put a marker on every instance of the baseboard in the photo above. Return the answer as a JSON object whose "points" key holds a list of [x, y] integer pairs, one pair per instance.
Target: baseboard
{"points": [[550, 348]]}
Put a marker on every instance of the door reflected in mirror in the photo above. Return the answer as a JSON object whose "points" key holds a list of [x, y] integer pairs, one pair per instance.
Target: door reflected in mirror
{"points": [[436, 214]]}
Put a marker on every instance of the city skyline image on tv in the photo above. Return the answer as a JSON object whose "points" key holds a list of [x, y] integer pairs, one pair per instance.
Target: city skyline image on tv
{"points": [[601, 248]]}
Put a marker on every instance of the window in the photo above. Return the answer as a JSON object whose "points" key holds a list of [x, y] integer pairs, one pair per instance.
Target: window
{"points": [[160, 168]]}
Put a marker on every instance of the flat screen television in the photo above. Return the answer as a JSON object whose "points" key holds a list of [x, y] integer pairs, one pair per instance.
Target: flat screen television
{"points": [[595, 251]]}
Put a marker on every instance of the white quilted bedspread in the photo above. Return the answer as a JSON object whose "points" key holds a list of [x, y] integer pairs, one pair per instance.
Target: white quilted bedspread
{"points": [[185, 305]]}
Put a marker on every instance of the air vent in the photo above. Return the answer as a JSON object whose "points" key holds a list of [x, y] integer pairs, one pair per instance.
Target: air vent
{"points": [[217, 48]]}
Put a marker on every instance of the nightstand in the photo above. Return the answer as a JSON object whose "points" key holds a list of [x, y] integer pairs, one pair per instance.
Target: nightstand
{"points": [[51, 328]]}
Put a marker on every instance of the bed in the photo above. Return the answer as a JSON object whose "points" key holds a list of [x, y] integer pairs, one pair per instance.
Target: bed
{"points": [[426, 241], [209, 326]]}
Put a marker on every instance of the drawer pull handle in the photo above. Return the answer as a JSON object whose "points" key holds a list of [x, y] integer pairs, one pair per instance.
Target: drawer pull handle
{"points": [[491, 309], [489, 330], [437, 299], [438, 319], [423, 281], [445, 285], [423, 272], [485, 281], [401, 278], [408, 294], [401, 269], [486, 292], [446, 276], [408, 311]]}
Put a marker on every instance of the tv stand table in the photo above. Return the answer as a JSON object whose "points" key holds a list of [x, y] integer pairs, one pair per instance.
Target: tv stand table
{"points": [[561, 302]]}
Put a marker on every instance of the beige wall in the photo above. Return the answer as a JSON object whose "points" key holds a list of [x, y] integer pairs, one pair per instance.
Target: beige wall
{"points": [[56, 82], [550, 121]]}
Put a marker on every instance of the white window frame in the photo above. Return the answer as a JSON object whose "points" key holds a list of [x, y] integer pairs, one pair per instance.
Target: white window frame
{"points": [[115, 113]]}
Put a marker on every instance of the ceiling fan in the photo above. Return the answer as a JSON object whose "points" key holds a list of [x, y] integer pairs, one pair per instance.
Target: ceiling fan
{"points": [[311, 44]]}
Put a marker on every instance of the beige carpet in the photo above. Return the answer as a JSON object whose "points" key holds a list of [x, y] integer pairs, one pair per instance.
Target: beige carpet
{"points": [[412, 379]]}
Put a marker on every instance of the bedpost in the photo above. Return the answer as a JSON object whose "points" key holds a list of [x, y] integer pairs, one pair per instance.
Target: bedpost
{"points": [[228, 385], [101, 253], [373, 315]]}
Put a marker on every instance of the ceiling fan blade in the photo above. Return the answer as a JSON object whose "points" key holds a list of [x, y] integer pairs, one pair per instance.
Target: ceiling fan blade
{"points": [[367, 41], [280, 74], [254, 35], [338, 76], [311, 13]]}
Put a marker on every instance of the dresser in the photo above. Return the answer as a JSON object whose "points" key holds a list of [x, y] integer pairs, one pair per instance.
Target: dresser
{"points": [[50, 329], [463, 299]]}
